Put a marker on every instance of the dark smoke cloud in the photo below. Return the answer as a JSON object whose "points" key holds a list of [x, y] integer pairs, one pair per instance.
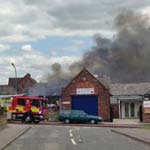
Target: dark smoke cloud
{"points": [[125, 58], [132, 55], [97, 59], [56, 80]]}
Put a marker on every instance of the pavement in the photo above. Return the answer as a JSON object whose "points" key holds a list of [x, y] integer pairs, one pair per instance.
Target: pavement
{"points": [[126, 121], [11, 133], [142, 135], [115, 124], [123, 123]]}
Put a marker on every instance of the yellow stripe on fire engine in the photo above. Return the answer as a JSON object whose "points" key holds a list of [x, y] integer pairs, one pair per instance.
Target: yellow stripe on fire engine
{"points": [[34, 109], [20, 108]]}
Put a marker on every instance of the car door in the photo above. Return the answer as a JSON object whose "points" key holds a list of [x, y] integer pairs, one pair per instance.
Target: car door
{"points": [[83, 116], [75, 116]]}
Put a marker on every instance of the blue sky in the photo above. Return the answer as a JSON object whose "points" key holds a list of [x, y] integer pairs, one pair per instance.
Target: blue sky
{"points": [[57, 45], [64, 45], [34, 34]]}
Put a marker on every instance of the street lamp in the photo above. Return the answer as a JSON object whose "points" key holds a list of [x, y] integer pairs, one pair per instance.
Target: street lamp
{"points": [[15, 75]]}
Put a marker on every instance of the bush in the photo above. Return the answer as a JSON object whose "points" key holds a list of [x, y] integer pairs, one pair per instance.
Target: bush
{"points": [[2, 110]]}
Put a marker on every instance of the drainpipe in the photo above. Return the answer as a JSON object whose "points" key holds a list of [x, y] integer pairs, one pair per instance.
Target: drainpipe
{"points": [[119, 109]]}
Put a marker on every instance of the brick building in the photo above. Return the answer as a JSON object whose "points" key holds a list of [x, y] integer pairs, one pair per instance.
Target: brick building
{"points": [[17, 85], [7, 90], [126, 100], [86, 92]]}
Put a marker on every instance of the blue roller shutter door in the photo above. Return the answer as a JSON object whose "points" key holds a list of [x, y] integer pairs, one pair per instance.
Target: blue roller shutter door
{"points": [[87, 103]]}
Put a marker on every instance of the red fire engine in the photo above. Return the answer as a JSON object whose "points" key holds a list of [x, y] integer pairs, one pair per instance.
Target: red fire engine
{"points": [[27, 108]]}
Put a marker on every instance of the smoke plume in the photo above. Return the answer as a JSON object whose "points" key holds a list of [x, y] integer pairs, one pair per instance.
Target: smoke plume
{"points": [[125, 58]]}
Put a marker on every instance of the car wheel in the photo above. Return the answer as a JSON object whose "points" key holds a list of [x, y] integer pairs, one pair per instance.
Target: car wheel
{"points": [[14, 117], [28, 119], [36, 121], [67, 121], [93, 121]]}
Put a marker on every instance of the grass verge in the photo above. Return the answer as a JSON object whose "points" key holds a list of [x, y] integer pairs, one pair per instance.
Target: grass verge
{"points": [[146, 127]]}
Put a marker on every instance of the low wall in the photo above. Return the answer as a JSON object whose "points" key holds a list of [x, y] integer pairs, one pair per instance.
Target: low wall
{"points": [[146, 118], [3, 121]]}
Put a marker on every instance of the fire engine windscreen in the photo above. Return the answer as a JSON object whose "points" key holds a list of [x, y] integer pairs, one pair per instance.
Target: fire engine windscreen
{"points": [[35, 102]]}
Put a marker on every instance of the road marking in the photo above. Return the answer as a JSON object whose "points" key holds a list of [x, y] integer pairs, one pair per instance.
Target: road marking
{"points": [[70, 131], [71, 135], [73, 141], [79, 136]]}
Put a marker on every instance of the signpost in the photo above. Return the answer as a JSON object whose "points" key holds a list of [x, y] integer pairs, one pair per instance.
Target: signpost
{"points": [[84, 91]]}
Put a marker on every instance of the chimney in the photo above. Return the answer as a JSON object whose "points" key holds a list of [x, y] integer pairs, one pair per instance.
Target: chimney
{"points": [[28, 75]]}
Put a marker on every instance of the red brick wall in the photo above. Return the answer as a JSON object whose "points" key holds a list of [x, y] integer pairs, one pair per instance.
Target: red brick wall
{"points": [[85, 80], [25, 84], [146, 118], [115, 108]]}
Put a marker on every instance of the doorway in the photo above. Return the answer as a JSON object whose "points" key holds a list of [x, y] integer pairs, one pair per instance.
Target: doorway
{"points": [[129, 110]]}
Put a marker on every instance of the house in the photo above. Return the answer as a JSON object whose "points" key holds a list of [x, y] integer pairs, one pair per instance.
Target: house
{"points": [[22, 84], [86, 92], [18, 85], [127, 98]]}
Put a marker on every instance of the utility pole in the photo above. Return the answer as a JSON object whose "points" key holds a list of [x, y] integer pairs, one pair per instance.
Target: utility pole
{"points": [[15, 76]]}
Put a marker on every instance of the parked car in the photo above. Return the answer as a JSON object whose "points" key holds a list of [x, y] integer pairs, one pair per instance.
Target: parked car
{"points": [[78, 116]]}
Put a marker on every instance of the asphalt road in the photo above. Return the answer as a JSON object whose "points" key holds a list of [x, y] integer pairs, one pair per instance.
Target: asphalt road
{"points": [[74, 138]]}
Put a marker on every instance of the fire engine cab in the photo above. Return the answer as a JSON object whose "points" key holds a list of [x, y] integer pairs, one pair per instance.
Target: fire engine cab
{"points": [[27, 108]]}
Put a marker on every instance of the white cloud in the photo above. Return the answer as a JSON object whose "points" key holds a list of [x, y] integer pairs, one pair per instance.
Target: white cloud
{"points": [[54, 53], [146, 12], [27, 47], [29, 20], [64, 60], [4, 47]]}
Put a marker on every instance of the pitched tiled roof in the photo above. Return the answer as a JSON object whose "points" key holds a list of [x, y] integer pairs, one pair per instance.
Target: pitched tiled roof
{"points": [[129, 89]]}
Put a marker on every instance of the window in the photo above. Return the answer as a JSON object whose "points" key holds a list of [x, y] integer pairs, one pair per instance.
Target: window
{"points": [[127, 110], [21, 102], [35, 103], [132, 110]]}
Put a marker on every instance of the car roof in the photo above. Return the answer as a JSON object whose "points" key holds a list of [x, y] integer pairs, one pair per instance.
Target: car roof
{"points": [[70, 111]]}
